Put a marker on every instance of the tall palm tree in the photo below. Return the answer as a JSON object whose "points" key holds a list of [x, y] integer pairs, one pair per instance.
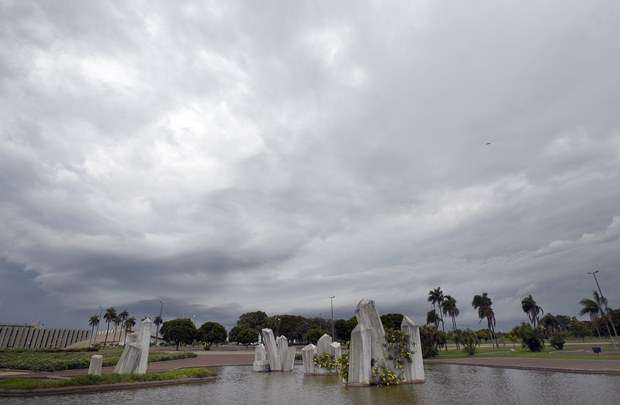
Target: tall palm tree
{"points": [[432, 318], [532, 309], [129, 324], [93, 321], [109, 316], [158, 321], [484, 305], [117, 322], [436, 298], [123, 317], [595, 309], [448, 307]]}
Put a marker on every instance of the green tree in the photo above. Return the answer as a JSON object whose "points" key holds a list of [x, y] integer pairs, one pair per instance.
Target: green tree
{"points": [[484, 305], [122, 317], [532, 309], [430, 339], [234, 334], [129, 324], [93, 321], [109, 316], [432, 318], [256, 320], [594, 309], [314, 335], [246, 336], [550, 324], [579, 329], [436, 298], [392, 321], [449, 308], [212, 333], [179, 331], [343, 328]]}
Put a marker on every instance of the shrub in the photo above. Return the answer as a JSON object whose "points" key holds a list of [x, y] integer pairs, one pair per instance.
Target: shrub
{"points": [[469, 340], [429, 338], [557, 341], [325, 360], [531, 338]]}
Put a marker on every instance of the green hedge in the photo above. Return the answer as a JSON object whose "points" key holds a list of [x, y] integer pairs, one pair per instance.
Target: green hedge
{"points": [[69, 360], [35, 383]]}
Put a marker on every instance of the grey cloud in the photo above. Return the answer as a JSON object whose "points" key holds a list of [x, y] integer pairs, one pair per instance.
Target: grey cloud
{"points": [[222, 154]]}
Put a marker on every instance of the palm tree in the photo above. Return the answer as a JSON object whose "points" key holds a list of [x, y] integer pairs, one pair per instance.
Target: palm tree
{"points": [[93, 321], [123, 317], [129, 324], [484, 305], [594, 308], [432, 318], [532, 309], [117, 322], [158, 321], [448, 307], [109, 316], [436, 298]]}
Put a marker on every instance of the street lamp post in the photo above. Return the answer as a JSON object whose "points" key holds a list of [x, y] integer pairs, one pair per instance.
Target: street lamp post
{"points": [[331, 301], [604, 302]]}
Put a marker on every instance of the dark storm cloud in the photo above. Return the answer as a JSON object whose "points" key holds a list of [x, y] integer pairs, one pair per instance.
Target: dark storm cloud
{"points": [[233, 156]]}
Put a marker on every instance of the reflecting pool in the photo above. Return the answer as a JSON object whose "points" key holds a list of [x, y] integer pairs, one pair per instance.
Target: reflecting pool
{"points": [[446, 384]]}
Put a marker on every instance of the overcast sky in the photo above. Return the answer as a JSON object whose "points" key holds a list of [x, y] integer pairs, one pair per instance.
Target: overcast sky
{"points": [[228, 156]]}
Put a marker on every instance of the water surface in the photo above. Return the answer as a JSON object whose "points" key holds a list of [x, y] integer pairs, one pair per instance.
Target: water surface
{"points": [[446, 384]]}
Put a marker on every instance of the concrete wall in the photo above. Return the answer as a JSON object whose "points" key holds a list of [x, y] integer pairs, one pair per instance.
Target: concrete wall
{"points": [[26, 337]]}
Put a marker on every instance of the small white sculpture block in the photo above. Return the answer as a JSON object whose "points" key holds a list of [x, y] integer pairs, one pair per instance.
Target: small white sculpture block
{"points": [[323, 344], [307, 355], [261, 363], [96, 364], [336, 350]]}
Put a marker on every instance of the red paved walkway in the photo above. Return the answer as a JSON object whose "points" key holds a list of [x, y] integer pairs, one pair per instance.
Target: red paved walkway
{"points": [[566, 365]]}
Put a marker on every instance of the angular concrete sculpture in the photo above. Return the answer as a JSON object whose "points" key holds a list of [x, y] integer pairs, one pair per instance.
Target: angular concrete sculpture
{"points": [[261, 363], [368, 348], [96, 363], [275, 364], [135, 356], [323, 344], [287, 354], [280, 356], [307, 355], [336, 350], [414, 371], [360, 356]]}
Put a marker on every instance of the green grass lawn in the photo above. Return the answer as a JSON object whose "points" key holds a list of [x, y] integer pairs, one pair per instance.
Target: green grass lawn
{"points": [[38, 383], [571, 351], [61, 360]]}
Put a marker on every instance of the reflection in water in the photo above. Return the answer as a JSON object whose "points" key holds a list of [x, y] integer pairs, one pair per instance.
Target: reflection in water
{"points": [[446, 384]]}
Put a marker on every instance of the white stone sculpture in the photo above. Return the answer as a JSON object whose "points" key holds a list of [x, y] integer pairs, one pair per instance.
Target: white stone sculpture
{"points": [[307, 355], [280, 356], [323, 344], [414, 371], [275, 364], [368, 349], [96, 364], [261, 363], [360, 356], [336, 350], [135, 356], [287, 354]]}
